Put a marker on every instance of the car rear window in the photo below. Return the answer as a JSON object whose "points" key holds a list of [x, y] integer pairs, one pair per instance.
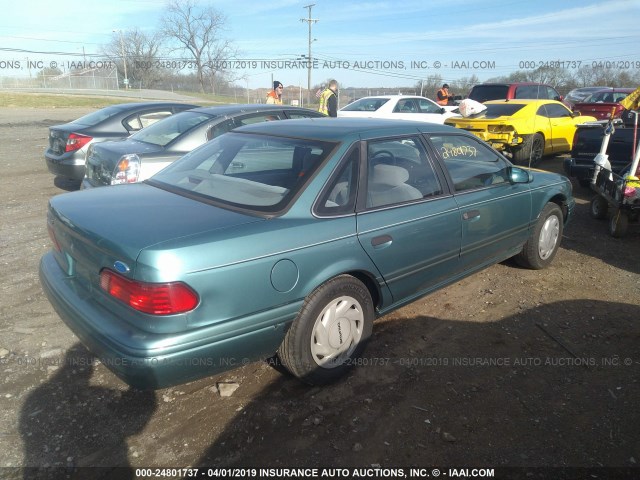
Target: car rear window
{"points": [[365, 105], [164, 131], [483, 93], [101, 115], [502, 110], [256, 173]]}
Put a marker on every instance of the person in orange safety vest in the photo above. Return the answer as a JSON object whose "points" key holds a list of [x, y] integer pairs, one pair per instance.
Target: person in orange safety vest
{"points": [[443, 96]]}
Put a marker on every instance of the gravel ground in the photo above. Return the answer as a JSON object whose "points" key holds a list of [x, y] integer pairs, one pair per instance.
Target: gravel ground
{"points": [[507, 368]]}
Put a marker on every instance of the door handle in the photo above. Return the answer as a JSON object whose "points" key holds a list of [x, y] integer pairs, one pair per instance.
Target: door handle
{"points": [[471, 214], [377, 242]]}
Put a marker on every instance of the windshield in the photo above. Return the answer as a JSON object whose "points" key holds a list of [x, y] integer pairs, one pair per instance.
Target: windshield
{"points": [[365, 105], [253, 172], [162, 132], [606, 97]]}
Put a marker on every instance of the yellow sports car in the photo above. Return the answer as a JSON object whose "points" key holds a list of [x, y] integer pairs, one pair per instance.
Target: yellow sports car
{"points": [[526, 129]]}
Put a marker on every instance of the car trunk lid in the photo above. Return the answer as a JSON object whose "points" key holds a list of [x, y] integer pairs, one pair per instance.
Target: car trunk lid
{"points": [[59, 134], [98, 229], [102, 159]]}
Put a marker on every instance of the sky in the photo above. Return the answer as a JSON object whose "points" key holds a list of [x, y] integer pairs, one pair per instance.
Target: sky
{"points": [[359, 43]]}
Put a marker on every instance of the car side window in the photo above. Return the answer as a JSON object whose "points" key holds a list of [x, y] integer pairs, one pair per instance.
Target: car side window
{"points": [[557, 111], [257, 118], [428, 107], [220, 128], [470, 164], [294, 114], [339, 198], [552, 94], [406, 106], [398, 170], [138, 122]]}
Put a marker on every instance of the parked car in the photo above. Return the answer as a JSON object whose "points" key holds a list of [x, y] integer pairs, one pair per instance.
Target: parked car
{"points": [[587, 142], [149, 151], [68, 143], [579, 94], [401, 107], [600, 104], [526, 129], [288, 237], [508, 91]]}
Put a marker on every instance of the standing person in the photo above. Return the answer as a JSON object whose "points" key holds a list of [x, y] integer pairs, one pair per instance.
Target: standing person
{"points": [[274, 97], [329, 100], [443, 96]]}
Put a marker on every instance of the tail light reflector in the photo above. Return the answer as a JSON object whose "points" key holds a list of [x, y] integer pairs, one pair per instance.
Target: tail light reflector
{"points": [[76, 141], [153, 298], [127, 170]]}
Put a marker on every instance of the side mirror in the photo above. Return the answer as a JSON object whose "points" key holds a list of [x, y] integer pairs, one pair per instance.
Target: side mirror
{"points": [[520, 175], [442, 111]]}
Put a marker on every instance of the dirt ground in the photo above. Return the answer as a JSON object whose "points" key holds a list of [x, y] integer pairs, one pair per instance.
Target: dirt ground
{"points": [[508, 368]]}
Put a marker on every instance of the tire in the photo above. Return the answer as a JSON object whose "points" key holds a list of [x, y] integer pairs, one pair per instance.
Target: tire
{"points": [[543, 243], [618, 224], [530, 152], [331, 330], [598, 207]]}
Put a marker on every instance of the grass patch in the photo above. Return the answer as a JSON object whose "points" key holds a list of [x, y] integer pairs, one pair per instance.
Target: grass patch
{"points": [[38, 100]]}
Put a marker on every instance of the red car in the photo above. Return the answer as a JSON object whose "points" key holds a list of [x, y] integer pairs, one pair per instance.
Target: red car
{"points": [[599, 104]]}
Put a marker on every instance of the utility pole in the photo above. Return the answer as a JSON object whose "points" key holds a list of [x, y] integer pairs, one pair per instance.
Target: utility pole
{"points": [[309, 21]]}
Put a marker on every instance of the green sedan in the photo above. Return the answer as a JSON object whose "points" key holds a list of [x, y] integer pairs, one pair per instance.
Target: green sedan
{"points": [[288, 238]]}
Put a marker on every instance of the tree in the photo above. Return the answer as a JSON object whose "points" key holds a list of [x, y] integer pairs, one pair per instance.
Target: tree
{"points": [[140, 51], [197, 31]]}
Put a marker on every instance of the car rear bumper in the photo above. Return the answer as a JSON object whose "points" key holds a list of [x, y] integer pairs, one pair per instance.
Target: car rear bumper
{"points": [[581, 172], [135, 356], [67, 166]]}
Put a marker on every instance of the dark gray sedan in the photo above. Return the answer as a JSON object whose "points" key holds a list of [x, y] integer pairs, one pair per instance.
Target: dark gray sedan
{"points": [[68, 143], [149, 151]]}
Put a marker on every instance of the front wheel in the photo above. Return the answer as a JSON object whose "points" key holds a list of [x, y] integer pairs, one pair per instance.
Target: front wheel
{"points": [[544, 241], [331, 330]]}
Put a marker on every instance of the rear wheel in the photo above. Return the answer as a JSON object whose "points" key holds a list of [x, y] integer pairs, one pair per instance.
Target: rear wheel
{"points": [[544, 241], [598, 207], [331, 330], [618, 224], [530, 152]]}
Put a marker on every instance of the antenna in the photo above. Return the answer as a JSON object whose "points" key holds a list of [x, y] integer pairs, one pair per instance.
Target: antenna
{"points": [[309, 21]]}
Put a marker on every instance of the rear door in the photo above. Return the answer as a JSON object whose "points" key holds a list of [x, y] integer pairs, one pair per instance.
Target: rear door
{"points": [[408, 223], [494, 213]]}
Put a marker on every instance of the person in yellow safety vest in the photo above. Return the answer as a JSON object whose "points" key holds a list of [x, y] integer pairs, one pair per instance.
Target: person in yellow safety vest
{"points": [[274, 97], [329, 100], [443, 96]]}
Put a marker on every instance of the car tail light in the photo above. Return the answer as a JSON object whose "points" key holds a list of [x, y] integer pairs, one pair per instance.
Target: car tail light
{"points": [[500, 128], [52, 236], [127, 170], [153, 298], [76, 141]]}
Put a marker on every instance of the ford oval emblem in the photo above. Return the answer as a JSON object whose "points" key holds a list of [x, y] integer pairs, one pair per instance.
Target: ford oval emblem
{"points": [[121, 267]]}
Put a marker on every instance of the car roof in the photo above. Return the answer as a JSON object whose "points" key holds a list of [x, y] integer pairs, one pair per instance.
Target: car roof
{"points": [[141, 105], [523, 101], [338, 129], [393, 95], [510, 83], [240, 108]]}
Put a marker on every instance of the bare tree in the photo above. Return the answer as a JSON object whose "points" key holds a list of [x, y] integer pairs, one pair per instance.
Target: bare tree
{"points": [[140, 51], [198, 31]]}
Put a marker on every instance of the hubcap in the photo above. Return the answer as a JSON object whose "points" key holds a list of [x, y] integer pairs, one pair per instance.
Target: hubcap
{"points": [[548, 237], [337, 332]]}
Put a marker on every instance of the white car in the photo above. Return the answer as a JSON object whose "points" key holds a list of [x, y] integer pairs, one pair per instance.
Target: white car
{"points": [[404, 107]]}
